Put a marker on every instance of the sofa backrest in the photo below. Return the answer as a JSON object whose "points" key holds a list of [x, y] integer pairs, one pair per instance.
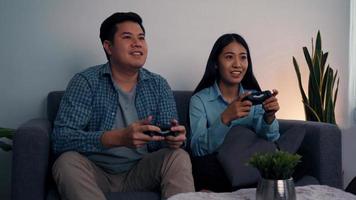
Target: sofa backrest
{"points": [[182, 100]]}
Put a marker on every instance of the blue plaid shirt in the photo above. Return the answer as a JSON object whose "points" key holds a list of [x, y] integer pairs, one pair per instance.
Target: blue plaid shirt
{"points": [[88, 108]]}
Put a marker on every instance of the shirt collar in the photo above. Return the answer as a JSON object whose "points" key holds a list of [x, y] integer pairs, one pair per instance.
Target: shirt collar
{"points": [[105, 70], [215, 92], [142, 74]]}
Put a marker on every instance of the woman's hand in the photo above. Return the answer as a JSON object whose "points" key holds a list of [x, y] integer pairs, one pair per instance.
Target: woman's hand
{"points": [[271, 106], [237, 109]]}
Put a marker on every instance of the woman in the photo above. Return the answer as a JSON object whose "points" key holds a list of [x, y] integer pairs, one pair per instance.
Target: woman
{"points": [[217, 105]]}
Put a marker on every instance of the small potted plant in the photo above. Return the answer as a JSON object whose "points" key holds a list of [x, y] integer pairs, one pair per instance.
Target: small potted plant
{"points": [[276, 170], [6, 134]]}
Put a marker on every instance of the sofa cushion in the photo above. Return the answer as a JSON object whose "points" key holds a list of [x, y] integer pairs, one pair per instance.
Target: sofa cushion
{"points": [[241, 143], [291, 139]]}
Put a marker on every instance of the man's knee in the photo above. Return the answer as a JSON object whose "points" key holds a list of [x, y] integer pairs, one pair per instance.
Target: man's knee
{"points": [[180, 157], [65, 163]]}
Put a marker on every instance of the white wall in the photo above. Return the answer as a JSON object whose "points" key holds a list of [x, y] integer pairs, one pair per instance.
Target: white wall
{"points": [[43, 43]]}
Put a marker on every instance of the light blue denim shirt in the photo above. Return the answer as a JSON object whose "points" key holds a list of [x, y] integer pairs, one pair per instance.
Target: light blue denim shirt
{"points": [[207, 130]]}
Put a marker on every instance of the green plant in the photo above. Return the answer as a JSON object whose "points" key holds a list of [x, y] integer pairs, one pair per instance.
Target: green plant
{"points": [[320, 103], [278, 165], [6, 133]]}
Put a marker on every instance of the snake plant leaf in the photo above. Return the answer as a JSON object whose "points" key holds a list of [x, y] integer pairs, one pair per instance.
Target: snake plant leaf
{"points": [[312, 111], [328, 95], [324, 87], [324, 83], [296, 67], [305, 99], [323, 61], [314, 87], [334, 96], [336, 91], [309, 61], [329, 105], [318, 56], [318, 42]]}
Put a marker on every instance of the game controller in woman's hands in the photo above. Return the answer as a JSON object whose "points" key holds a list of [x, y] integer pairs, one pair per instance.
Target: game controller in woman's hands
{"points": [[258, 97], [165, 131]]}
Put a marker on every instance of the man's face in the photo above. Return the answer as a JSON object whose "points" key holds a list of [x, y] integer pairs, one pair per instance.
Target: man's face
{"points": [[129, 49]]}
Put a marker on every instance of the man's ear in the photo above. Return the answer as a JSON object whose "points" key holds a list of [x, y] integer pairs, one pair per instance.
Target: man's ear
{"points": [[107, 46]]}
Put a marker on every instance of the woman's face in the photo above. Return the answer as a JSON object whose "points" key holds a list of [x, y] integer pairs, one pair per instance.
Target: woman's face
{"points": [[232, 63]]}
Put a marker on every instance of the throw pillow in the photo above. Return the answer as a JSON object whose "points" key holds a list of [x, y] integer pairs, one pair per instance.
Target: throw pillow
{"points": [[241, 143], [291, 139]]}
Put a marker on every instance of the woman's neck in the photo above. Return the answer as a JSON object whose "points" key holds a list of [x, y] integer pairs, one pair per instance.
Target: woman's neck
{"points": [[229, 92]]}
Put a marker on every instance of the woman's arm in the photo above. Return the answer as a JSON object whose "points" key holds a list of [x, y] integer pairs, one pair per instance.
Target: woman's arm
{"points": [[205, 139]]}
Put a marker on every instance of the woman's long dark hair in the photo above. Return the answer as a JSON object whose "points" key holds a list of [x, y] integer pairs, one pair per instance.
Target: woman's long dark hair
{"points": [[212, 73]]}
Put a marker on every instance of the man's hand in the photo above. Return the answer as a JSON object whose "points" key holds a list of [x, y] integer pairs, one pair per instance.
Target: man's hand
{"points": [[271, 106], [236, 109], [176, 141], [132, 136]]}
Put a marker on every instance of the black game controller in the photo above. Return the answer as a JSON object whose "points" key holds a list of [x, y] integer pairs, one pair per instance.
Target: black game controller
{"points": [[258, 97], [165, 131]]}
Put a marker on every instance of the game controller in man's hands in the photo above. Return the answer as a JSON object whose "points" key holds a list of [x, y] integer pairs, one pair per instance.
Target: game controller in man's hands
{"points": [[165, 131], [258, 97]]}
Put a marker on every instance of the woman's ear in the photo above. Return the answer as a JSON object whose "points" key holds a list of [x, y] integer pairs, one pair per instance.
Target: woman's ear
{"points": [[107, 46]]}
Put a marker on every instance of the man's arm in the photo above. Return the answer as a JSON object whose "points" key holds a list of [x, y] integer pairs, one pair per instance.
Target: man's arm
{"points": [[73, 117]]}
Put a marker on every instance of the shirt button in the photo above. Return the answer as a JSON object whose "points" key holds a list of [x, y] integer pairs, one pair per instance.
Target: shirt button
{"points": [[113, 113]]}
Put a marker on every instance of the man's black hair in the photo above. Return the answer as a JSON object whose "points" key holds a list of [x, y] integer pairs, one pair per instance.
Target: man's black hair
{"points": [[108, 28]]}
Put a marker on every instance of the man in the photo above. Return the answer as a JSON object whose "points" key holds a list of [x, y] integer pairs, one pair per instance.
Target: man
{"points": [[105, 112]]}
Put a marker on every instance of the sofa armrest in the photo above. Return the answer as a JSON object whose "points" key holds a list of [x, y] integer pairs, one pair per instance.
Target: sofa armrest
{"points": [[31, 148], [321, 150]]}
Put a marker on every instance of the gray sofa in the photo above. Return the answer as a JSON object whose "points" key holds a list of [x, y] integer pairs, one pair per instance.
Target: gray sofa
{"points": [[32, 159]]}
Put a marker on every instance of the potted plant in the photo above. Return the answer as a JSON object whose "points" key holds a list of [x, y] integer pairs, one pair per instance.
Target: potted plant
{"points": [[319, 104], [276, 170], [8, 134]]}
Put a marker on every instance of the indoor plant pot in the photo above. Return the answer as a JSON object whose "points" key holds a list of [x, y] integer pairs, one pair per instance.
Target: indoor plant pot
{"points": [[276, 170]]}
